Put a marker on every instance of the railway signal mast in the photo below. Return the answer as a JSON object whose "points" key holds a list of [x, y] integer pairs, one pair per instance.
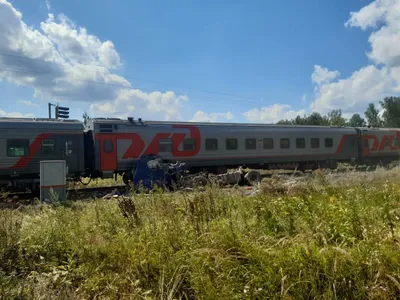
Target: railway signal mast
{"points": [[60, 111]]}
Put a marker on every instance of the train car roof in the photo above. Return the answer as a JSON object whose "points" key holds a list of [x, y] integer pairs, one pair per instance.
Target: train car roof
{"points": [[379, 128], [117, 121], [38, 123], [35, 120]]}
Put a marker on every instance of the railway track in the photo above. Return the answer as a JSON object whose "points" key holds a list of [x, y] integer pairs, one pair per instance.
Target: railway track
{"points": [[96, 191]]}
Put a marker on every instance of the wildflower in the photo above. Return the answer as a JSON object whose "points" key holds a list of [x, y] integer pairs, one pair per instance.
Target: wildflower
{"points": [[331, 198]]}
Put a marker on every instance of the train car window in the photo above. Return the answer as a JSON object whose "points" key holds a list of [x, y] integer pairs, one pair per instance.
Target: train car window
{"points": [[396, 142], [189, 144], [211, 144], [314, 142], [328, 142], [108, 146], [47, 147], [285, 143], [268, 143], [231, 144], [251, 144], [18, 147], [300, 143], [165, 145]]}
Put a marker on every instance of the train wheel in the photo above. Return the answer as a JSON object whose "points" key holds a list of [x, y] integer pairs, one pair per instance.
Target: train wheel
{"points": [[253, 177], [125, 178], [35, 189], [200, 181]]}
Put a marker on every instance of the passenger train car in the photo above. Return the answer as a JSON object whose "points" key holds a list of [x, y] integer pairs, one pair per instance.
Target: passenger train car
{"points": [[26, 142], [102, 148], [219, 146]]}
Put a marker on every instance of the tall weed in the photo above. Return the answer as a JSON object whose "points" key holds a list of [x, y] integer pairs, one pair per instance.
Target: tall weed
{"points": [[323, 237]]}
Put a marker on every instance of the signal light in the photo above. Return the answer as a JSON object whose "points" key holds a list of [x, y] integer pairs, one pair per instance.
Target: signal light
{"points": [[62, 112]]}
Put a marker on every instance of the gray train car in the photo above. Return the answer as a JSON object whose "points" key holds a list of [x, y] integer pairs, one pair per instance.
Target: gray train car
{"points": [[218, 146], [24, 142]]}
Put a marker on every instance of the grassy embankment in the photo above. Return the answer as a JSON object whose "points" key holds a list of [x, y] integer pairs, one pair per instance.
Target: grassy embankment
{"points": [[331, 237]]}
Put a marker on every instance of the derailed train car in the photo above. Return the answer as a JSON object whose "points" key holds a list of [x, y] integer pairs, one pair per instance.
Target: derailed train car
{"points": [[218, 146], [102, 148]]}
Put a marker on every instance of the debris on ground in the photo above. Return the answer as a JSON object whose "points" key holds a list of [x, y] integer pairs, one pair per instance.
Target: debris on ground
{"points": [[229, 178], [284, 184], [114, 194], [252, 191]]}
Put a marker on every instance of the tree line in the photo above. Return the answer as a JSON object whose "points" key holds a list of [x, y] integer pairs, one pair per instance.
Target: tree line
{"points": [[390, 118]]}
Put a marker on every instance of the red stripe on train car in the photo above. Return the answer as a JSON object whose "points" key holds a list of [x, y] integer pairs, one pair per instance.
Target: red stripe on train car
{"points": [[33, 149], [342, 142]]}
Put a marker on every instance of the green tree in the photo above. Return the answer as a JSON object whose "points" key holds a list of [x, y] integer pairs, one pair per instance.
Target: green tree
{"points": [[336, 118], [285, 122], [316, 119], [300, 120], [356, 121], [371, 114], [313, 119], [391, 115]]}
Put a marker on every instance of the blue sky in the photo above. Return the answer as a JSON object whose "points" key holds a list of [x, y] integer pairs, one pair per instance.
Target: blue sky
{"points": [[253, 61]]}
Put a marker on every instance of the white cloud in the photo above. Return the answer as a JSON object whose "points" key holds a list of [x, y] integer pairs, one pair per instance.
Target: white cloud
{"points": [[369, 84], [15, 114], [369, 15], [273, 113], [77, 46], [28, 103], [385, 41], [63, 62], [373, 82], [303, 98], [323, 75], [201, 116], [165, 106], [48, 5]]}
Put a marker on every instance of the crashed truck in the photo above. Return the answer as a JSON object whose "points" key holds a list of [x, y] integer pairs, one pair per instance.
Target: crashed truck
{"points": [[152, 172]]}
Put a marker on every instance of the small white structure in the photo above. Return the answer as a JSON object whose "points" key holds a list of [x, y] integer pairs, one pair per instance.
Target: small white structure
{"points": [[53, 176]]}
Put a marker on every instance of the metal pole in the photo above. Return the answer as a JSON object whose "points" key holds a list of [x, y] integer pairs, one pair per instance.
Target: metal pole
{"points": [[49, 110]]}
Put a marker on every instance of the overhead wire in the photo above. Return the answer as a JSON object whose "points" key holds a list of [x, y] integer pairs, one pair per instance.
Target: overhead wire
{"points": [[147, 90], [122, 76]]}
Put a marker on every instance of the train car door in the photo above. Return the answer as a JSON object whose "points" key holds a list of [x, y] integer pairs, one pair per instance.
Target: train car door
{"points": [[360, 146], [108, 152]]}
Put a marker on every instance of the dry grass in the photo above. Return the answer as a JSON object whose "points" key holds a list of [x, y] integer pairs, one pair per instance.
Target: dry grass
{"points": [[332, 236], [87, 182]]}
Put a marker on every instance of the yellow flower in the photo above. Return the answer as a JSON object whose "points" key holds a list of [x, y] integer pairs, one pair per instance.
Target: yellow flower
{"points": [[331, 199]]}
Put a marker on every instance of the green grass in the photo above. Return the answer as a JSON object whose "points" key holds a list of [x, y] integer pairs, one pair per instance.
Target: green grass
{"points": [[329, 237]]}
